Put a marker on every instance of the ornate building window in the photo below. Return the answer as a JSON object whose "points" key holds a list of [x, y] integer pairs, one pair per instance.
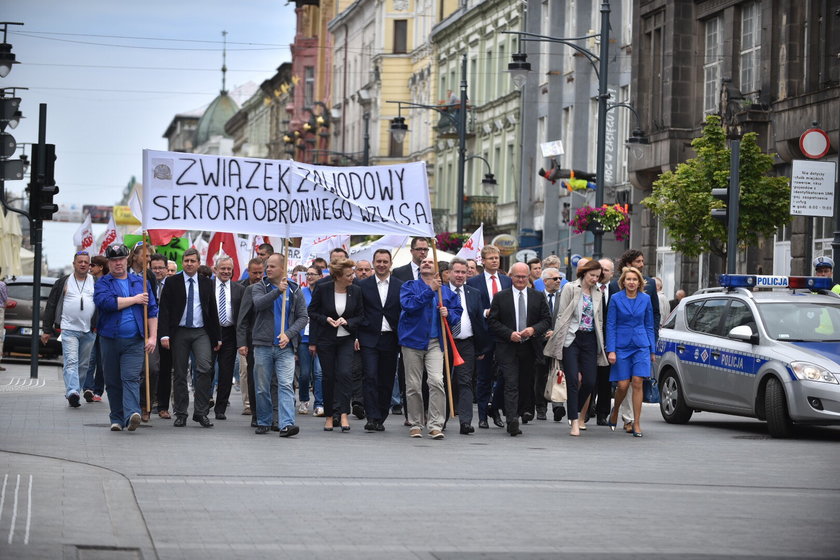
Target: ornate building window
{"points": [[750, 48], [712, 62]]}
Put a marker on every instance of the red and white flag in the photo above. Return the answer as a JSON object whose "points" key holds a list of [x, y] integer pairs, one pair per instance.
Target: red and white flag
{"points": [[83, 238], [110, 237], [200, 245], [473, 246], [226, 243]]}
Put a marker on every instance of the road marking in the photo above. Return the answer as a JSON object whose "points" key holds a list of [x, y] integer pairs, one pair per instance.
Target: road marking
{"points": [[3, 495], [13, 523], [14, 511], [28, 512]]}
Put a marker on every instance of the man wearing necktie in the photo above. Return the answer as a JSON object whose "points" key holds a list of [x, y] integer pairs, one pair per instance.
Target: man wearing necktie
{"points": [[518, 318], [189, 322], [488, 284], [471, 340], [551, 281], [228, 298]]}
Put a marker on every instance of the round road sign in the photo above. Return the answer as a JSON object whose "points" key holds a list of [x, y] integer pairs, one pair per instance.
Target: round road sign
{"points": [[814, 143]]}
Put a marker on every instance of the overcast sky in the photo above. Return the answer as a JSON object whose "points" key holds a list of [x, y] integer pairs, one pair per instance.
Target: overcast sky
{"points": [[114, 73]]}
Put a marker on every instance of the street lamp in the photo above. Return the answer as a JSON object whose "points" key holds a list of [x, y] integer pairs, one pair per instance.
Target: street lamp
{"points": [[399, 130], [519, 67], [7, 57], [488, 184]]}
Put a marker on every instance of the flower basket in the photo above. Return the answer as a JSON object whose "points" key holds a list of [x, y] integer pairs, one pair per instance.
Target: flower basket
{"points": [[451, 242], [609, 218]]}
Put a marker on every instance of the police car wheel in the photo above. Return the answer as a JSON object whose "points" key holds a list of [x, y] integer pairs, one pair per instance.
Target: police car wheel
{"points": [[775, 409], [671, 402]]}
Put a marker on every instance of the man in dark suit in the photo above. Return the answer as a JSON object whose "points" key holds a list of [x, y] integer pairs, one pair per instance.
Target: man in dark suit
{"points": [[189, 322], [471, 339], [488, 284], [228, 299], [518, 318], [411, 271], [377, 336], [551, 288]]}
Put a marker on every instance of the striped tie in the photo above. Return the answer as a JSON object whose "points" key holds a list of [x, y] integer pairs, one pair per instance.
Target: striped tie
{"points": [[223, 318], [456, 328]]}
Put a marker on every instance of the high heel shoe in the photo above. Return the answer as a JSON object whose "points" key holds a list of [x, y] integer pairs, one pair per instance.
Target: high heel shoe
{"points": [[637, 434], [328, 428], [612, 425], [345, 428]]}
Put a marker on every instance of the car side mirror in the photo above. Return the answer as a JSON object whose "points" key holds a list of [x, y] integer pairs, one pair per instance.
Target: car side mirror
{"points": [[745, 333]]}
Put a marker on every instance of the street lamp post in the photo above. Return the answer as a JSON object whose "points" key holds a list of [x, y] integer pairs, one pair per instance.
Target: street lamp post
{"points": [[399, 130], [518, 67]]}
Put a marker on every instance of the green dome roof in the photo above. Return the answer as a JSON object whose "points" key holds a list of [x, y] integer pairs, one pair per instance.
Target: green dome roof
{"points": [[212, 122]]}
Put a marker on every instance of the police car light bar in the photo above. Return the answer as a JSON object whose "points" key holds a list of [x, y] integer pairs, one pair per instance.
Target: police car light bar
{"points": [[763, 281]]}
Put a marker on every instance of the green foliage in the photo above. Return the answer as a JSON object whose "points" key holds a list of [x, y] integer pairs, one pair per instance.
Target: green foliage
{"points": [[682, 199]]}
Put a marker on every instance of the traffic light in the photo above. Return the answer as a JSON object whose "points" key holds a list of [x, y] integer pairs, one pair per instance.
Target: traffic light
{"points": [[721, 214], [42, 189]]}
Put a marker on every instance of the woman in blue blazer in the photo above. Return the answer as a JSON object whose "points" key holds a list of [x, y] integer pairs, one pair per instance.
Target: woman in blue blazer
{"points": [[630, 342]]}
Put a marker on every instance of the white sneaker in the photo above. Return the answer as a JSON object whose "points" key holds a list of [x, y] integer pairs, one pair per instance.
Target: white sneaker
{"points": [[133, 422], [319, 411], [116, 427], [303, 408]]}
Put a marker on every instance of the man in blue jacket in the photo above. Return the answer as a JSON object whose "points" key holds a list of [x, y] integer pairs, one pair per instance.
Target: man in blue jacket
{"points": [[421, 340], [120, 299]]}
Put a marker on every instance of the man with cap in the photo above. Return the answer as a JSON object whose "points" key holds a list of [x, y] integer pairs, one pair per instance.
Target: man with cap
{"points": [[823, 267], [120, 298]]}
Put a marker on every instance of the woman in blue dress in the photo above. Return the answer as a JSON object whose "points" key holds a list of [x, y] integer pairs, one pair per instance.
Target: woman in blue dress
{"points": [[630, 342]]}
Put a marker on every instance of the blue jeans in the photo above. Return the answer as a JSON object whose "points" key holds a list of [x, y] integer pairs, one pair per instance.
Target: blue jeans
{"points": [[95, 379], [122, 360], [309, 366], [279, 362], [76, 347]]}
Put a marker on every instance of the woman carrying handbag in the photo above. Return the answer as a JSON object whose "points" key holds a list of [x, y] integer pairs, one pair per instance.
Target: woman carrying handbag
{"points": [[577, 340]]}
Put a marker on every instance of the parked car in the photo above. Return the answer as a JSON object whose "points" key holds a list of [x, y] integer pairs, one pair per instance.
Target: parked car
{"points": [[18, 321], [771, 355]]}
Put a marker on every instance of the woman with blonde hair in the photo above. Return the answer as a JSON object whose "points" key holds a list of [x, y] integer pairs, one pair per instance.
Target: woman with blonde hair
{"points": [[630, 342], [577, 339]]}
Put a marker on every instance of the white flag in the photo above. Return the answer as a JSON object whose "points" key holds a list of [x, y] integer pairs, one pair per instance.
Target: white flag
{"points": [[389, 242], [473, 246], [83, 238], [136, 206], [201, 246], [321, 246], [110, 236]]}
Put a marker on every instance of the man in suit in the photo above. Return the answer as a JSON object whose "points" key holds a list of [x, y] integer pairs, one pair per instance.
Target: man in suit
{"points": [[603, 387], [471, 340], [189, 322], [377, 336], [551, 282], [488, 284], [411, 271], [518, 318], [228, 299]]}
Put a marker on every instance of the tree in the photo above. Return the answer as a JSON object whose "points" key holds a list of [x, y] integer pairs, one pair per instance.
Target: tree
{"points": [[682, 199]]}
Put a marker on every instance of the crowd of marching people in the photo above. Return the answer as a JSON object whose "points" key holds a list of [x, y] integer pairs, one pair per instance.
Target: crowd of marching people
{"points": [[426, 343]]}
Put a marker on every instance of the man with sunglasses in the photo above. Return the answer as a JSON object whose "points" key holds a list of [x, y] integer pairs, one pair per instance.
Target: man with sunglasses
{"points": [[70, 309]]}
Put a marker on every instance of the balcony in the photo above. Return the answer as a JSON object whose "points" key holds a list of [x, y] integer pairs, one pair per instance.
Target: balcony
{"points": [[479, 210]]}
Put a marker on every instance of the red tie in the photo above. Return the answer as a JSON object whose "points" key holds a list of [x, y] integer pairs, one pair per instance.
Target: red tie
{"points": [[495, 284]]}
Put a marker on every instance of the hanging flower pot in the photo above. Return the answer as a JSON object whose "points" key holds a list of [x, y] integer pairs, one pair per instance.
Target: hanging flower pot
{"points": [[606, 218]]}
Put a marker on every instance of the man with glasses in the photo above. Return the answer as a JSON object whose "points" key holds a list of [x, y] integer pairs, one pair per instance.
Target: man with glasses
{"points": [[411, 271], [70, 307], [551, 281]]}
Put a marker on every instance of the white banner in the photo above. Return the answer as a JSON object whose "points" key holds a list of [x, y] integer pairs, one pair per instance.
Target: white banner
{"points": [[281, 197]]}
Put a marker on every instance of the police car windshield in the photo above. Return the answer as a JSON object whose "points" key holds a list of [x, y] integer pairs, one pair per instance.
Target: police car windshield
{"points": [[799, 321]]}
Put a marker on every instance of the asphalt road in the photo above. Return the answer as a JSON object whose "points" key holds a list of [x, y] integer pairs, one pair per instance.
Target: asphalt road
{"points": [[717, 487]]}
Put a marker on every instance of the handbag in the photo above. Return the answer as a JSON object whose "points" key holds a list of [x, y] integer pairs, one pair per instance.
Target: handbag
{"points": [[651, 390], [555, 386]]}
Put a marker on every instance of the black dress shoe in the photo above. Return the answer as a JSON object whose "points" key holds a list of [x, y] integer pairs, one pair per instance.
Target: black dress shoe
{"points": [[483, 425], [513, 428], [541, 415], [497, 419], [180, 421], [527, 417], [289, 431], [380, 427], [466, 429], [221, 416], [602, 420], [370, 426], [261, 430], [559, 413], [204, 421], [359, 411]]}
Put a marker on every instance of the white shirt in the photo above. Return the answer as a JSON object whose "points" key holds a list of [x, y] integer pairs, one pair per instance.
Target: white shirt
{"points": [[228, 306], [466, 323], [198, 318], [489, 282], [516, 305], [415, 270], [605, 293], [78, 307], [340, 306], [382, 286]]}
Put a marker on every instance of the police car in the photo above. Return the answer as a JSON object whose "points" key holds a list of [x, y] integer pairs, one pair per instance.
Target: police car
{"points": [[740, 349]]}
